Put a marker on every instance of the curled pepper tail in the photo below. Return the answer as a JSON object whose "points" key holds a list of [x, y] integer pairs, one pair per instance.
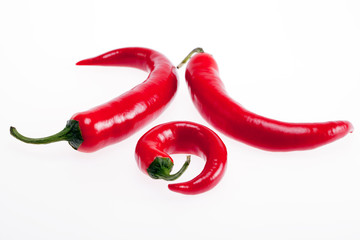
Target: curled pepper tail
{"points": [[206, 180]]}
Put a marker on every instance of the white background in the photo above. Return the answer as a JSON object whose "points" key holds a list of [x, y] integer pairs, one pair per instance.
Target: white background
{"points": [[294, 61]]}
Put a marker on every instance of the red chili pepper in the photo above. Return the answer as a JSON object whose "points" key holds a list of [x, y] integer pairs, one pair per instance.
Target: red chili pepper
{"points": [[210, 98], [114, 121], [153, 149]]}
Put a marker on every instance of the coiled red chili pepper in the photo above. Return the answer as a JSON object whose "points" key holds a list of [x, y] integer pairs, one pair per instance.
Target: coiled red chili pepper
{"points": [[210, 98], [153, 149], [114, 121]]}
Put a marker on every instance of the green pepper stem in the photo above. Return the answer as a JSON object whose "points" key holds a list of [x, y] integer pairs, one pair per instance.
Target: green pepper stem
{"points": [[174, 176], [70, 133], [60, 136], [196, 50], [162, 166]]}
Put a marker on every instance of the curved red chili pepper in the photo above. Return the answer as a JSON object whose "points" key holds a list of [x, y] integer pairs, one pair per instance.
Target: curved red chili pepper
{"points": [[153, 149], [114, 121], [210, 98]]}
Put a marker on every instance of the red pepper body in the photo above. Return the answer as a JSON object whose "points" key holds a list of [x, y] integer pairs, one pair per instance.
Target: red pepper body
{"points": [[114, 121], [124, 115], [184, 137], [226, 115]]}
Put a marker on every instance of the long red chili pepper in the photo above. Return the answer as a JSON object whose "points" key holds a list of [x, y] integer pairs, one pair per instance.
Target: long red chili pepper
{"points": [[113, 121], [210, 98], [153, 149]]}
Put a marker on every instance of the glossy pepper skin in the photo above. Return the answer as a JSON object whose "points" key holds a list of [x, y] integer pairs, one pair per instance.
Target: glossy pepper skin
{"points": [[226, 115], [116, 120], [153, 149]]}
